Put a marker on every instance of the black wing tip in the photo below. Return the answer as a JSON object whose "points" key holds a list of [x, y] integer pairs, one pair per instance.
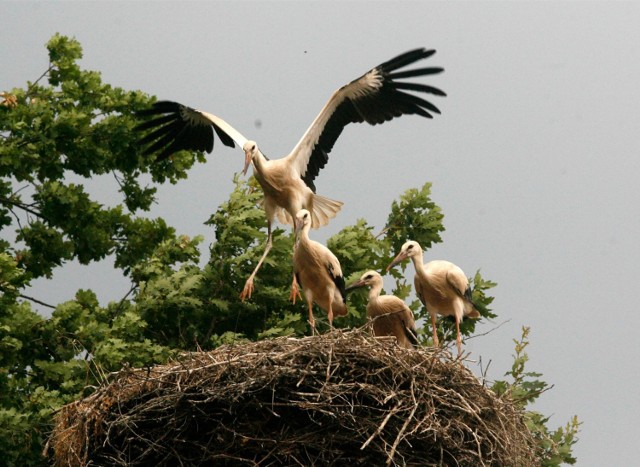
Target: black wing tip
{"points": [[340, 283], [406, 58], [170, 132], [159, 107], [411, 334], [409, 103]]}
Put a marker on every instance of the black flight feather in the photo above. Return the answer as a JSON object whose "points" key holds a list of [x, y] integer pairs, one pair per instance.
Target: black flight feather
{"points": [[338, 280], [172, 132], [387, 102], [411, 334]]}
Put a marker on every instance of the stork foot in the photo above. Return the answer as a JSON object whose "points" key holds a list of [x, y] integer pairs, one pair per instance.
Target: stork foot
{"points": [[248, 290]]}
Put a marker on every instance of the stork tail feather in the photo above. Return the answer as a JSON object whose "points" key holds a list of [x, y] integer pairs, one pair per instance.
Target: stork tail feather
{"points": [[324, 209]]}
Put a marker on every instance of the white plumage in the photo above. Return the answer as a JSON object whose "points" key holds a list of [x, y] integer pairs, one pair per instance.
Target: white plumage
{"points": [[318, 271], [441, 286], [390, 315], [288, 183]]}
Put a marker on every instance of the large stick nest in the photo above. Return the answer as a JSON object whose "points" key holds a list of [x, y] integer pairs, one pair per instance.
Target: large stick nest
{"points": [[338, 398]]}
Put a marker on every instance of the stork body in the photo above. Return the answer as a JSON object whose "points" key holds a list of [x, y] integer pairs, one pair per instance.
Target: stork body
{"points": [[288, 183], [441, 286], [318, 271], [285, 193], [390, 315]]}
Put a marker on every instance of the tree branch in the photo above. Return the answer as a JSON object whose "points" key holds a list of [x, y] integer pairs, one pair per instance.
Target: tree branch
{"points": [[33, 85], [24, 207], [488, 332], [35, 300]]}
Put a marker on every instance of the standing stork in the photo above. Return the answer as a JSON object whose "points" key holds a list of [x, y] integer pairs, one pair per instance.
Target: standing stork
{"points": [[441, 286], [390, 315], [287, 183], [318, 271]]}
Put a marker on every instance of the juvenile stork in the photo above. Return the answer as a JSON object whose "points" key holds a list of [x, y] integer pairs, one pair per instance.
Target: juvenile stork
{"points": [[441, 286], [390, 315], [318, 271], [288, 183]]}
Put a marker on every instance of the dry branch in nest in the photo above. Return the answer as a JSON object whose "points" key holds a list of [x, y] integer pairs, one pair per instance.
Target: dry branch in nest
{"points": [[337, 398]]}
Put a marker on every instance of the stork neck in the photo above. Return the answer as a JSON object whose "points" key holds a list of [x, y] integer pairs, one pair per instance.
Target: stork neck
{"points": [[418, 262], [303, 235], [374, 291], [258, 160]]}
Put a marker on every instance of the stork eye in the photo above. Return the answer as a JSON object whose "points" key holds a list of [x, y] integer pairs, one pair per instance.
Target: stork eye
{"points": [[409, 247], [253, 148], [369, 276]]}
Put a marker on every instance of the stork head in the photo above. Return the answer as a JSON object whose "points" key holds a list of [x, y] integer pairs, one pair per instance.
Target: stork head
{"points": [[368, 279], [250, 149], [410, 249], [302, 221]]}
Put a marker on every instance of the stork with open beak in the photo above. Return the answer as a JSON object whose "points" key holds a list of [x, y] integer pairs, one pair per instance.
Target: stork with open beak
{"points": [[318, 271], [441, 286], [288, 183], [390, 315]]}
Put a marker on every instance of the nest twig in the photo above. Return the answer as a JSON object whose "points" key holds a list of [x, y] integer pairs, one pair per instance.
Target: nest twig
{"points": [[338, 398]]}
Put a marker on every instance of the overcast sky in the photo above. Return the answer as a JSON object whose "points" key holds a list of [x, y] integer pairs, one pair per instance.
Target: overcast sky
{"points": [[534, 160]]}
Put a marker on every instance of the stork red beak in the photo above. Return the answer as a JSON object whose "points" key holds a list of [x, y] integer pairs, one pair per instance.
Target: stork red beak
{"points": [[247, 161], [401, 257]]}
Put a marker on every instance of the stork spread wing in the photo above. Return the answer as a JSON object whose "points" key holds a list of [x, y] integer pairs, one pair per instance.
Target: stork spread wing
{"points": [[176, 127], [375, 97]]}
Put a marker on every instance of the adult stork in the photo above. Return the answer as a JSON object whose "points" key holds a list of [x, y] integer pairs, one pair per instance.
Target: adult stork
{"points": [[390, 315], [441, 286], [318, 271], [288, 183]]}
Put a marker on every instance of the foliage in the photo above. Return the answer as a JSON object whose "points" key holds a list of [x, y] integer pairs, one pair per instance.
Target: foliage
{"points": [[61, 130], [554, 447], [415, 217], [73, 129], [66, 128]]}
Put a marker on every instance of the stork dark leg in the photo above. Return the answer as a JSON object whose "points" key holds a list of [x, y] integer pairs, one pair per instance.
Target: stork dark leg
{"points": [[248, 286], [458, 338]]}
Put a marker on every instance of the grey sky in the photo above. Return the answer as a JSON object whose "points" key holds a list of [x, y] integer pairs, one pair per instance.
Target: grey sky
{"points": [[534, 159]]}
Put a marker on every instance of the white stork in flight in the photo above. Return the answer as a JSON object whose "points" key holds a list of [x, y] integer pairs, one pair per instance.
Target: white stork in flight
{"points": [[376, 97], [390, 315], [441, 286]]}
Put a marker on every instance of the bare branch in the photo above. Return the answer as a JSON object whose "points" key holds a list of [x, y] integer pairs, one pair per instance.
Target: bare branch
{"points": [[35, 300]]}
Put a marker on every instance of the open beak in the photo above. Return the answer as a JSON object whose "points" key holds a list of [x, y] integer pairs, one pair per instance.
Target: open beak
{"points": [[401, 257], [247, 161]]}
